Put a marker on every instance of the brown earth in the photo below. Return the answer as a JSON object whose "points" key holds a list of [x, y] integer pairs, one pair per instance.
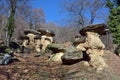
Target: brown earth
{"points": [[38, 68]]}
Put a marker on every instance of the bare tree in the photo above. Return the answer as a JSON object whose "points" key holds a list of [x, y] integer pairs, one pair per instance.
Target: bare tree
{"points": [[10, 23], [24, 16], [63, 34], [36, 18], [76, 10], [84, 12], [8, 9], [95, 8], [3, 18]]}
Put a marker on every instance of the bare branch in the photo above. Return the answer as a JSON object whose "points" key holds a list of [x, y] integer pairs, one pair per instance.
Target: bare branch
{"points": [[80, 9]]}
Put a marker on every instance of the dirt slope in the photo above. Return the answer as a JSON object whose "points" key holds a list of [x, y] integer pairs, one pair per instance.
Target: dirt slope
{"points": [[38, 68]]}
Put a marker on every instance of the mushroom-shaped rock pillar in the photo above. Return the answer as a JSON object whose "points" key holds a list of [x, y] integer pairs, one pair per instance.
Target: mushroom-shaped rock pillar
{"points": [[31, 34], [37, 43], [93, 44], [46, 38], [92, 34], [25, 40]]}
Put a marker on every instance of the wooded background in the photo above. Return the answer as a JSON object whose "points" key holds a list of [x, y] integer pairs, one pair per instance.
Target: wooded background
{"points": [[19, 15]]}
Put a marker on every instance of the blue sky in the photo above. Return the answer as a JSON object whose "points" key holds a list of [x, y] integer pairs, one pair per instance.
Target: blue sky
{"points": [[52, 9], [54, 12]]}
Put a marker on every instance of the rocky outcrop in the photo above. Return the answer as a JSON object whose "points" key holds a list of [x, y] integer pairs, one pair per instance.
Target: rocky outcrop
{"points": [[97, 61], [93, 41], [37, 40], [28, 40], [64, 53], [93, 46], [37, 43], [46, 38]]}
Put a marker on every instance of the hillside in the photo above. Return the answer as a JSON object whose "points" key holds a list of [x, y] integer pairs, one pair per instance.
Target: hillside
{"points": [[38, 68]]}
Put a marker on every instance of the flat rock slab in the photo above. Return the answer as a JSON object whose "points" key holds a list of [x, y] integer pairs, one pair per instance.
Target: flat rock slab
{"points": [[61, 48], [55, 48], [24, 37], [97, 28], [31, 31], [72, 57], [46, 32]]}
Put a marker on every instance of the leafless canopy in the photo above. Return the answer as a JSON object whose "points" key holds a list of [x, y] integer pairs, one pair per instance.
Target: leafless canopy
{"points": [[84, 12]]}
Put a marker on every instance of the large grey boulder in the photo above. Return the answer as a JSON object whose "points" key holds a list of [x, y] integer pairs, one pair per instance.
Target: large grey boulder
{"points": [[5, 58], [70, 49], [72, 57], [66, 54], [56, 48]]}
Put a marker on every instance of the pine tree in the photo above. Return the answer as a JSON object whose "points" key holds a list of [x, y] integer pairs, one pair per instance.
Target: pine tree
{"points": [[114, 19]]}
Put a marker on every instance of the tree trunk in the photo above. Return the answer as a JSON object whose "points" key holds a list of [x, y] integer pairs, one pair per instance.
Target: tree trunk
{"points": [[10, 24]]}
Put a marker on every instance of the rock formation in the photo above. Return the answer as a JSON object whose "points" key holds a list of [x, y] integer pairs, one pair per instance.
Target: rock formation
{"points": [[93, 45], [67, 54], [28, 39], [25, 40], [88, 46], [37, 40], [57, 52], [72, 57], [37, 43], [46, 38]]}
